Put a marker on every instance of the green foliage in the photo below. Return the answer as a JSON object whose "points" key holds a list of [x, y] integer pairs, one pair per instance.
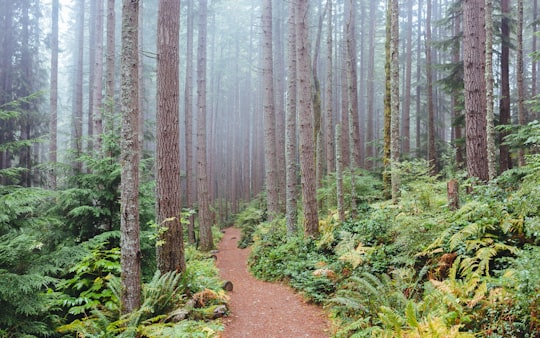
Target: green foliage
{"points": [[248, 220], [27, 266], [96, 292], [367, 189]]}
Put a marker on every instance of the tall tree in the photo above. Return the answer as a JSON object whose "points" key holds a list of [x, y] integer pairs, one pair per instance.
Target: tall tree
{"points": [[432, 156], [474, 38], [270, 157], [77, 101], [53, 125], [97, 86], [371, 86], [352, 88], [505, 161], [206, 243], [329, 138], [456, 94], [387, 180], [490, 116], [395, 141], [188, 116], [291, 173], [170, 254], [307, 149], [110, 64], [406, 126], [129, 159], [520, 76]]}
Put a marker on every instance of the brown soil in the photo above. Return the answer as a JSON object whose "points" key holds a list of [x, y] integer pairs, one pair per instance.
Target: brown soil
{"points": [[262, 309]]}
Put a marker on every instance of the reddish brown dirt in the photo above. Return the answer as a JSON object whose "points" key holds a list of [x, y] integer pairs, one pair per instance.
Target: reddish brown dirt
{"points": [[262, 309]]}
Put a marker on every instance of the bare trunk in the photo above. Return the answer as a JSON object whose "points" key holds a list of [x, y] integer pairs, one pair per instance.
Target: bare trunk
{"points": [[474, 38], [97, 95], [170, 254], [505, 161], [519, 75], [490, 117], [432, 155], [206, 242], [269, 114], [130, 148], [329, 138], [53, 124], [307, 151], [395, 141]]}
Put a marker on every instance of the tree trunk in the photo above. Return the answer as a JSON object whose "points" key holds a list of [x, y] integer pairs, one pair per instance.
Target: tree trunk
{"points": [[129, 159], [352, 88], [432, 152], [97, 89], [339, 176], [519, 75], [457, 112], [53, 124], [490, 117], [290, 135], [371, 87], [474, 38], [387, 180], [77, 123], [329, 138], [505, 161], [188, 111], [395, 141], [269, 114], [406, 128], [206, 243], [307, 151], [170, 254], [110, 67]]}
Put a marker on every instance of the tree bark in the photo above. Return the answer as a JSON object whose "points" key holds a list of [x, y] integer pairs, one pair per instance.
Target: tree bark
{"points": [[77, 120], [505, 161], [129, 160], [474, 38], [371, 87], [395, 141], [406, 127], [307, 151], [329, 138], [387, 180], [272, 193], [432, 152], [110, 67], [206, 243], [170, 254], [290, 135], [519, 75], [188, 111], [490, 117], [97, 86], [53, 124]]}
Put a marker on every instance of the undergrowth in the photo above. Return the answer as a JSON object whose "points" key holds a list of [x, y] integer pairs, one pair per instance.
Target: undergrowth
{"points": [[417, 268]]}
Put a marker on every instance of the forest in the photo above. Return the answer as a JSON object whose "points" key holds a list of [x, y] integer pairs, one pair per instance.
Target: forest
{"points": [[380, 157]]}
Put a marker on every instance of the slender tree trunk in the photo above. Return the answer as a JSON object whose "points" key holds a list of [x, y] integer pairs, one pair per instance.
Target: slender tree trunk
{"points": [[307, 151], [279, 108], [188, 111], [418, 82], [490, 116], [329, 138], [371, 87], [387, 180], [97, 91], [534, 66], [519, 75], [170, 254], [206, 242], [352, 88], [395, 141], [130, 148], [269, 114], [406, 128], [290, 135], [110, 66], [432, 152], [456, 106], [77, 122], [53, 124], [505, 161], [92, 16], [474, 38], [339, 176]]}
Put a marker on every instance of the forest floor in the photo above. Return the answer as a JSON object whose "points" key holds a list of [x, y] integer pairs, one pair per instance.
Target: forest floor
{"points": [[263, 309]]}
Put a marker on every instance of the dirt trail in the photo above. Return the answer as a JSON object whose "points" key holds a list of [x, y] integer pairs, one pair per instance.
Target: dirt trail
{"points": [[261, 309]]}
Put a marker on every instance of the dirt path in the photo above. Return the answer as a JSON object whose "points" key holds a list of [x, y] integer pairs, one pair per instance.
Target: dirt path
{"points": [[262, 309]]}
